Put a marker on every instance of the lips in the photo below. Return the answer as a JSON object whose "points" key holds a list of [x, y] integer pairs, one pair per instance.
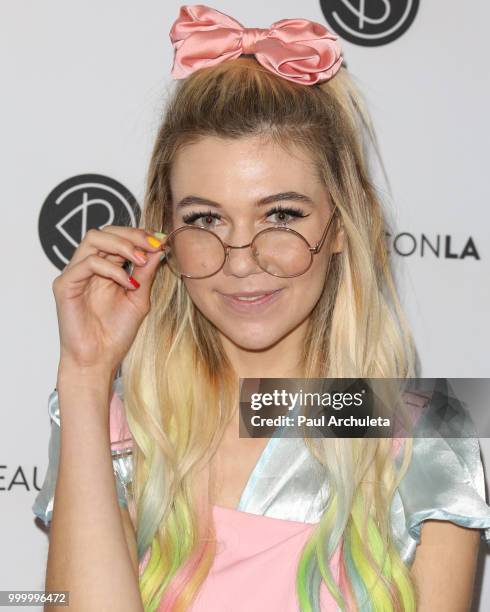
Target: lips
{"points": [[250, 294], [251, 301]]}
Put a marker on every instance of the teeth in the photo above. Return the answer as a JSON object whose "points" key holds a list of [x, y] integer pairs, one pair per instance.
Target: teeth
{"points": [[250, 299]]}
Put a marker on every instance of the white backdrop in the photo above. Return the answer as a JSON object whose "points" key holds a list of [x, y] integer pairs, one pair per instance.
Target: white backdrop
{"points": [[83, 86]]}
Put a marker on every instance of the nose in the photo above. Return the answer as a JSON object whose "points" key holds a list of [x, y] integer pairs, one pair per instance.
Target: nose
{"points": [[239, 258], [240, 262]]}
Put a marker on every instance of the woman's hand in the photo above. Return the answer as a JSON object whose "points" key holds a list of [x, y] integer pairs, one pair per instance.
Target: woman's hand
{"points": [[99, 309]]}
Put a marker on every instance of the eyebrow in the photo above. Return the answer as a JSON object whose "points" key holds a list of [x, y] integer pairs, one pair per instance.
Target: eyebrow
{"points": [[276, 197]]}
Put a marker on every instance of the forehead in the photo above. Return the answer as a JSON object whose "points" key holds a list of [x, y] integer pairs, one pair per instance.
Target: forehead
{"points": [[220, 168]]}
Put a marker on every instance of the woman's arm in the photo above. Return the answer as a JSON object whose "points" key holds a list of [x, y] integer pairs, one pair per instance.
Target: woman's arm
{"points": [[88, 551], [444, 566], [130, 539]]}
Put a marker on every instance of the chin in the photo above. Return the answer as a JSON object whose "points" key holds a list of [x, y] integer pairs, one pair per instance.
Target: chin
{"points": [[254, 337]]}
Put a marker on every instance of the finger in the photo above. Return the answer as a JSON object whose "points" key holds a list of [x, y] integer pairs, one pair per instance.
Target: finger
{"points": [[130, 263], [145, 275], [93, 265], [118, 243]]}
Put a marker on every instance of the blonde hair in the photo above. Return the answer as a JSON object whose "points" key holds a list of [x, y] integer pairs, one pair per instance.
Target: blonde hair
{"points": [[177, 370]]}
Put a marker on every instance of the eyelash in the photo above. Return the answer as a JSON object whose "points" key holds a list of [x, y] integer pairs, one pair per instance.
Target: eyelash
{"points": [[290, 210]]}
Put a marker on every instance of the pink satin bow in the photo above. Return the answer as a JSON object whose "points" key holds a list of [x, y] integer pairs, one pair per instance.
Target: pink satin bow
{"points": [[299, 50]]}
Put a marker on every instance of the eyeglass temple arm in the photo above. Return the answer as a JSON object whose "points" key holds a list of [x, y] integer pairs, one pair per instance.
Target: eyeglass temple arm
{"points": [[319, 244]]}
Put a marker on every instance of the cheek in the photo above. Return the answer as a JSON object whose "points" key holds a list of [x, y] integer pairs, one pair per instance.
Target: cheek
{"points": [[314, 278], [307, 288], [200, 292]]}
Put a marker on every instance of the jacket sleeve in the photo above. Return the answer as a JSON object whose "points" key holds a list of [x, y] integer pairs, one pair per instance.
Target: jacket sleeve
{"points": [[121, 451], [445, 480]]}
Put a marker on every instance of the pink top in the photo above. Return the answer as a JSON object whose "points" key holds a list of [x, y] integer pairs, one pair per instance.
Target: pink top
{"points": [[255, 564]]}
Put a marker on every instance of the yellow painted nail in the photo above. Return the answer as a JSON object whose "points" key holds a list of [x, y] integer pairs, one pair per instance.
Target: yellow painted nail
{"points": [[153, 241]]}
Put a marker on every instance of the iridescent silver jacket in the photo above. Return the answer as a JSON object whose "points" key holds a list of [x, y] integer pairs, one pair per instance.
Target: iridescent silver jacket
{"points": [[445, 481]]}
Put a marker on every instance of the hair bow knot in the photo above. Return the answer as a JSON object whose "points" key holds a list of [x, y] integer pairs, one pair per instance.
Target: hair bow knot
{"points": [[251, 36], [298, 50]]}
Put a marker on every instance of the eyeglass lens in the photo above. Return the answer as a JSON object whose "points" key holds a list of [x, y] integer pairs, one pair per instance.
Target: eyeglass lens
{"points": [[198, 253]]}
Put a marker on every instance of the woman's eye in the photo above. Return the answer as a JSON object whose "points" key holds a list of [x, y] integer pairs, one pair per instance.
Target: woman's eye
{"points": [[280, 217], [206, 219], [285, 215]]}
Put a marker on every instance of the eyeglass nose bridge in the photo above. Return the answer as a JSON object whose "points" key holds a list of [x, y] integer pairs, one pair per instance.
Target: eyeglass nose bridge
{"points": [[228, 248]]}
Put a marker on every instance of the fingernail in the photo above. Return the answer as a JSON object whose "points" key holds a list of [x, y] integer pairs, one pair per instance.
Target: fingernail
{"points": [[162, 256], [141, 257], [160, 235], [133, 281], [153, 241]]}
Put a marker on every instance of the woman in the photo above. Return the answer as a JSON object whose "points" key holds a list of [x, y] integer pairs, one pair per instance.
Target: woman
{"points": [[260, 138]]}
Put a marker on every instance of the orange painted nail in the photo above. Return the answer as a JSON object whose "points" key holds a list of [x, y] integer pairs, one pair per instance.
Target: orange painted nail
{"points": [[141, 257]]}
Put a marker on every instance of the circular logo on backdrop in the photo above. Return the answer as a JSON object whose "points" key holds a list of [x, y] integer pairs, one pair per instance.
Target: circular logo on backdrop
{"points": [[83, 202], [369, 23]]}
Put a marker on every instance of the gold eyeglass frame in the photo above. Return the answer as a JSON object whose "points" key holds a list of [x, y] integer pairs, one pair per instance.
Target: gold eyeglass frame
{"points": [[227, 247]]}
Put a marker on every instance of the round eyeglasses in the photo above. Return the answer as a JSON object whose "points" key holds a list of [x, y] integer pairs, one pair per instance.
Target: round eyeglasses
{"points": [[197, 252]]}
